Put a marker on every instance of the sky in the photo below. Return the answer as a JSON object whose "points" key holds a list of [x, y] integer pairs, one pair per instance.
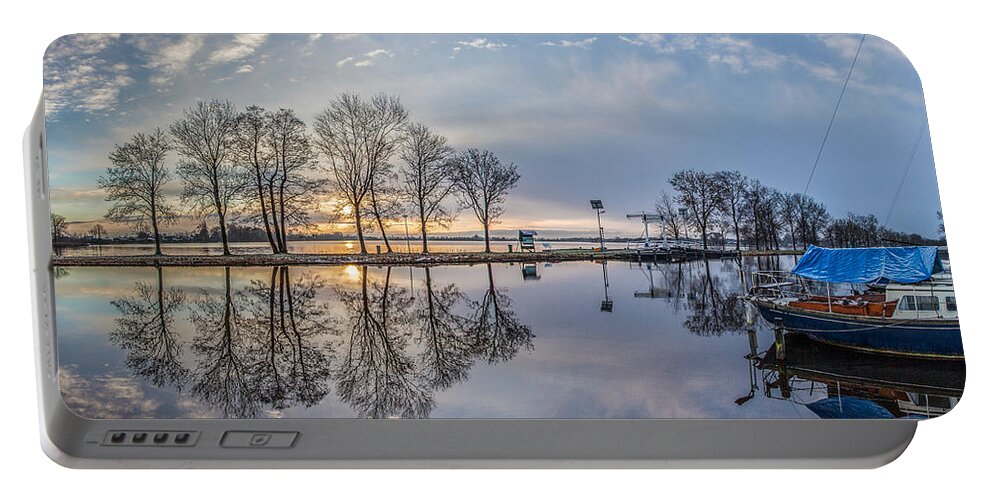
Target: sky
{"points": [[610, 117]]}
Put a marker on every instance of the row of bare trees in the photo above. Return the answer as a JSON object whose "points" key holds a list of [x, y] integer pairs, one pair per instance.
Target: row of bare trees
{"points": [[265, 168], [712, 205]]}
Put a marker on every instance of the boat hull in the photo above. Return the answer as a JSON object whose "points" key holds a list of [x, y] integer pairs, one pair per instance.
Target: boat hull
{"points": [[920, 338]]}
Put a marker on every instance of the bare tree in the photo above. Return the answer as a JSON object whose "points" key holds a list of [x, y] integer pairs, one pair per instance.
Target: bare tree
{"points": [[670, 215], [734, 188], [98, 232], [205, 139], [60, 228], [253, 129], [854, 231], [482, 182], [425, 178], [135, 182], [358, 139], [763, 214], [789, 212], [701, 195], [292, 191], [814, 218]]}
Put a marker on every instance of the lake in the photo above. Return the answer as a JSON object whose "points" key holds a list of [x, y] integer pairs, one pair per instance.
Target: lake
{"points": [[569, 340]]}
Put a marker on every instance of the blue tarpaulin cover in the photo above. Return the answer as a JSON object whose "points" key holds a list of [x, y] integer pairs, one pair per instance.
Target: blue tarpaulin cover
{"points": [[867, 265], [848, 407]]}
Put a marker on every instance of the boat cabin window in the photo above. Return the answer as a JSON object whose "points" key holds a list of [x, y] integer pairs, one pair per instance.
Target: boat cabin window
{"points": [[950, 303], [927, 303], [907, 303], [919, 303]]}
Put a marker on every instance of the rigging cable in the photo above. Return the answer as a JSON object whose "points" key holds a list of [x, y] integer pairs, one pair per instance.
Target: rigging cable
{"points": [[833, 115], [906, 172]]}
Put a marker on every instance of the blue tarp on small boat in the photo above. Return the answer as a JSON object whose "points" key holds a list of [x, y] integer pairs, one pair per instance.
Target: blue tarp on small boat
{"points": [[867, 265], [848, 407]]}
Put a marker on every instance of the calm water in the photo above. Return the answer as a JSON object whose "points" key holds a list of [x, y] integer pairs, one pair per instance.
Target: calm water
{"points": [[315, 247], [570, 340]]}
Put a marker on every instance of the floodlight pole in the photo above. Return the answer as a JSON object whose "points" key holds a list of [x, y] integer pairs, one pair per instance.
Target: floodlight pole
{"points": [[597, 205], [600, 225]]}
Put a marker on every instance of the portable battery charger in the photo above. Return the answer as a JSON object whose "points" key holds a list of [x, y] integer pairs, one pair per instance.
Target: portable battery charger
{"points": [[595, 250]]}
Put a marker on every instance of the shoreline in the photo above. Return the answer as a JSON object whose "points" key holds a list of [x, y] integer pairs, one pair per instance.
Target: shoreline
{"points": [[404, 259]]}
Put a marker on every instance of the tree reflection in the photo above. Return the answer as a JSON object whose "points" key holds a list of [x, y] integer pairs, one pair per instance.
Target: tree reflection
{"points": [[714, 306], [498, 333], [146, 330], [448, 348], [377, 376], [273, 344], [284, 321], [222, 377]]}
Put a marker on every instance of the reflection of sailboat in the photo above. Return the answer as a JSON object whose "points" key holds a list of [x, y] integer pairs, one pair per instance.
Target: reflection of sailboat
{"points": [[840, 383]]}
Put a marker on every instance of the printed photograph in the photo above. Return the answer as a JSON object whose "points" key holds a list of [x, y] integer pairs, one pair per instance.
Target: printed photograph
{"points": [[496, 226]]}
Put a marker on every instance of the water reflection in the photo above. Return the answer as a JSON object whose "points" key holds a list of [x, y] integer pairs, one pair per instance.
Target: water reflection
{"points": [[277, 343], [146, 330], [286, 323], [222, 377], [377, 376], [711, 298], [494, 325], [448, 341], [839, 383], [448, 347]]}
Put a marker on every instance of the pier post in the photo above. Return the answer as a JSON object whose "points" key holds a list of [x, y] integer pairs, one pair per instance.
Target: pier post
{"points": [[753, 340], [780, 340], [753, 343]]}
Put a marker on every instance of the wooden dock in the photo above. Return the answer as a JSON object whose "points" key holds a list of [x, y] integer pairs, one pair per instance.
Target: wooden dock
{"points": [[395, 259]]}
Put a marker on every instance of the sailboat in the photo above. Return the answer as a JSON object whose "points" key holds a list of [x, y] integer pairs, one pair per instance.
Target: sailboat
{"points": [[900, 300]]}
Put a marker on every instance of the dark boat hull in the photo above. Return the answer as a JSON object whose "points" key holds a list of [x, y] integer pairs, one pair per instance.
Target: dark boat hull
{"points": [[922, 338]]}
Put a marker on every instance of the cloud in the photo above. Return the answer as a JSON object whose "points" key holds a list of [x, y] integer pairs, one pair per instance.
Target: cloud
{"points": [[585, 43], [364, 60], [378, 53], [78, 46], [245, 69], [631, 41], [314, 37], [241, 47], [79, 78], [104, 396], [168, 57], [480, 43]]}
